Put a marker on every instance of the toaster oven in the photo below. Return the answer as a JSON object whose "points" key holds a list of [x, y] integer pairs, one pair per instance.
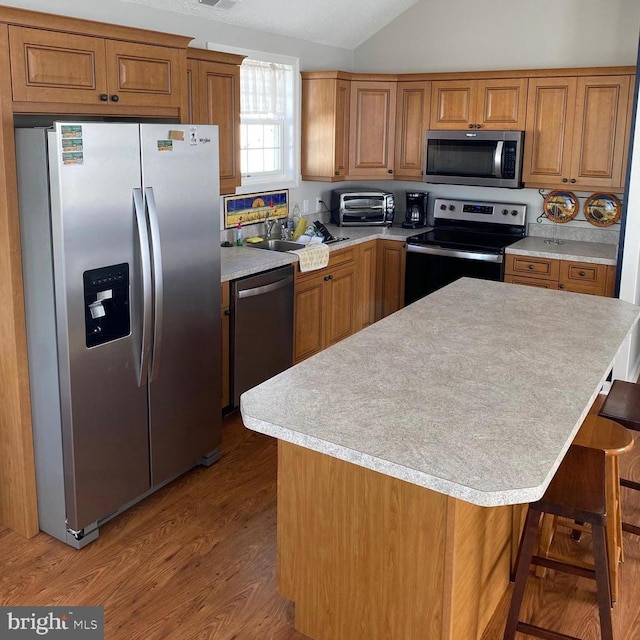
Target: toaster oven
{"points": [[362, 208]]}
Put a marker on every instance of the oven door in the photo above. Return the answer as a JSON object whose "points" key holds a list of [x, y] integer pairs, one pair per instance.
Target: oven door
{"points": [[430, 268]]}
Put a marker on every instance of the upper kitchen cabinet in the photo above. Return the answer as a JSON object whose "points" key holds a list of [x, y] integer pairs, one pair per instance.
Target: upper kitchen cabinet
{"points": [[576, 133], [412, 120], [325, 125], [58, 71], [487, 103], [214, 98], [372, 129]]}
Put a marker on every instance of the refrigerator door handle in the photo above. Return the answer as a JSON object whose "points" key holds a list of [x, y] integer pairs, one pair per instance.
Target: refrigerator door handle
{"points": [[158, 288], [145, 263]]}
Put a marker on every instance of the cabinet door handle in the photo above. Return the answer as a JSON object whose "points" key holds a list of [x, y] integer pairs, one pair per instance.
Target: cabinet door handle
{"points": [[115, 97], [573, 180], [564, 180], [390, 170], [104, 97], [478, 126], [581, 274], [227, 312], [327, 278], [530, 266], [470, 126], [561, 286], [337, 173]]}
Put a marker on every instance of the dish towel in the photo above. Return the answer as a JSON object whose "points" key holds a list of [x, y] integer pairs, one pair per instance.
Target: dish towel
{"points": [[313, 256]]}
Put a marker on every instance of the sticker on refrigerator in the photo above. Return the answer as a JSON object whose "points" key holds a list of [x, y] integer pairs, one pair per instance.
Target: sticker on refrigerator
{"points": [[72, 157], [71, 130], [71, 144], [165, 145], [193, 136]]}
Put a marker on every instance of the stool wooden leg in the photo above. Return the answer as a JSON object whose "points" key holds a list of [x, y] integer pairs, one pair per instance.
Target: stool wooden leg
{"points": [[525, 553], [614, 523], [547, 529], [599, 538]]}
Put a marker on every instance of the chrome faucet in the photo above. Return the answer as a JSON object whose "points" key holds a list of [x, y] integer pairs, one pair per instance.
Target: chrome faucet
{"points": [[268, 225]]}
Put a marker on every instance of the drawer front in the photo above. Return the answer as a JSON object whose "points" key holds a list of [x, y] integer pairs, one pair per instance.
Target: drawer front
{"points": [[583, 277], [529, 266], [340, 258], [532, 282]]}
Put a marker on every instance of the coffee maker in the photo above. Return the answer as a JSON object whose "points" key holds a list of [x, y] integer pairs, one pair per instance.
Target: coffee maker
{"points": [[416, 212]]}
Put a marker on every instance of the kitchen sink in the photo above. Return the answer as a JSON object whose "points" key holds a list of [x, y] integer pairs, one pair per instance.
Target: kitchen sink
{"points": [[276, 245]]}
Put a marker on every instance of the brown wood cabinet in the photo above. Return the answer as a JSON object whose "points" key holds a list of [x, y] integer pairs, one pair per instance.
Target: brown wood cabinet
{"points": [[214, 98], [367, 267], [498, 103], [372, 129], [576, 133], [567, 275], [53, 68], [390, 277], [225, 313], [325, 304], [412, 120], [325, 126]]}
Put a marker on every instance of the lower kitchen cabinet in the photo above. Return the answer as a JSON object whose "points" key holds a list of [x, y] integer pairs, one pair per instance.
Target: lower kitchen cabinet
{"points": [[367, 267], [325, 304], [567, 275], [391, 261], [225, 312]]}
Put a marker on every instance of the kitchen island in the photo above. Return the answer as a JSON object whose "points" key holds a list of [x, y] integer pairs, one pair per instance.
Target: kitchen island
{"points": [[403, 449]]}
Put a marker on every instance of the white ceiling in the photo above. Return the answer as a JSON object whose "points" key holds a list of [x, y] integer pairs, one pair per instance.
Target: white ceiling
{"points": [[339, 23]]}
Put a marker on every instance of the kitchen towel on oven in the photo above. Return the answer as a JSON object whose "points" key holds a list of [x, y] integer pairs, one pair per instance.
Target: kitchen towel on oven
{"points": [[313, 256]]}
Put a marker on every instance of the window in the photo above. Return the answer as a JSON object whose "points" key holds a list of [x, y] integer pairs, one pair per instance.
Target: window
{"points": [[268, 128], [269, 119]]}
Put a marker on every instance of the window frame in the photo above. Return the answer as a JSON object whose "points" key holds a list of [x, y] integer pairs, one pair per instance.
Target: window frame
{"points": [[251, 185]]}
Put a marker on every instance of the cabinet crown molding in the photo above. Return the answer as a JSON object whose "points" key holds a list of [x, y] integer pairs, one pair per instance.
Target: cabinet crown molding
{"points": [[51, 22]]}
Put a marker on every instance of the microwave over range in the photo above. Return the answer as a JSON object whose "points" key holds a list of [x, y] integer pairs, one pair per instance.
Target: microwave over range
{"points": [[479, 158]]}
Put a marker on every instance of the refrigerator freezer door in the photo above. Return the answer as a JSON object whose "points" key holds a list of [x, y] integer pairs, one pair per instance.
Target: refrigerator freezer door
{"points": [[94, 168], [181, 184]]}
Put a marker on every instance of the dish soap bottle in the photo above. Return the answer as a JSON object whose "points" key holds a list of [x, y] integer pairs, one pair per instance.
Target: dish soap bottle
{"points": [[239, 234]]}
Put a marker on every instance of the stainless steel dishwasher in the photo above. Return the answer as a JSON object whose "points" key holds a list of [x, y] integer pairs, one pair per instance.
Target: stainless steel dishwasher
{"points": [[261, 328]]}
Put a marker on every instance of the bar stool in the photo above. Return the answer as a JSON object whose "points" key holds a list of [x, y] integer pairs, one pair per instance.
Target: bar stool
{"points": [[577, 491], [622, 405]]}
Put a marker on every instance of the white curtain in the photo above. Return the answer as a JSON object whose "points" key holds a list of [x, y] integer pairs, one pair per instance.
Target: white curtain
{"points": [[263, 89]]}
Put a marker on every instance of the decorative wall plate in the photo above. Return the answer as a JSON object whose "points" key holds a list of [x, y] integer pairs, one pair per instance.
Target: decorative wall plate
{"points": [[602, 209], [561, 206]]}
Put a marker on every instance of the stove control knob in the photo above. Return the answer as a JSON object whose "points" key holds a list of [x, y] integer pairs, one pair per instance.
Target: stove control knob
{"points": [[443, 207], [505, 212], [452, 207], [514, 212]]}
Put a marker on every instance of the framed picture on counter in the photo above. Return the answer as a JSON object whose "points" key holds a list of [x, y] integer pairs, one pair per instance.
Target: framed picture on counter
{"points": [[251, 208]]}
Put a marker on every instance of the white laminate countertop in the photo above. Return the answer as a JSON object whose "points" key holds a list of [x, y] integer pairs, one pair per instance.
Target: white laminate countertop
{"points": [[594, 252], [237, 262], [475, 391]]}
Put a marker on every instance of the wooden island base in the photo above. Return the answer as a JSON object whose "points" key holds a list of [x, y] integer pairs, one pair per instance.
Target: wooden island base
{"points": [[365, 556]]}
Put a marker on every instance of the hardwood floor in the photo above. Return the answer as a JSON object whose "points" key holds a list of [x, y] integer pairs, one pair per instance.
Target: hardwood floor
{"points": [[197, 561]]}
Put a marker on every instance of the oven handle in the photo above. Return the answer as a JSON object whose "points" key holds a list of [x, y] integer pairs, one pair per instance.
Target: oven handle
{"points": [[455, 253]]}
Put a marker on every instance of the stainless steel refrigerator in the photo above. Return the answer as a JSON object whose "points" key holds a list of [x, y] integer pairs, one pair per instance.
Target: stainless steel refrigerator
{"points": [[120, 236]]}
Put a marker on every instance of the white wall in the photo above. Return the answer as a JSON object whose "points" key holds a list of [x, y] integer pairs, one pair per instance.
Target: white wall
{"points": [[466, 35]]}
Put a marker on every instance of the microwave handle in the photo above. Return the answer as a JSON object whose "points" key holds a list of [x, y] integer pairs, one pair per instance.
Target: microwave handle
{"points": [[497, 159]]}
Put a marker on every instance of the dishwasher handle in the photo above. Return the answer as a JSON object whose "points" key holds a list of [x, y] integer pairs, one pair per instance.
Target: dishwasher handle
{"points": [[265, 288]]}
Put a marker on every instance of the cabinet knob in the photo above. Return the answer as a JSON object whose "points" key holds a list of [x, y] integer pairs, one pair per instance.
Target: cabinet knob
{"points": [[115, 97], [530, 266], [573, 180], [104, 97], [581, 274], [478, 126], [337, 173], [564, 180], [470, 126], [390, 170], [227, 312], [327, 278], [561, 286]]}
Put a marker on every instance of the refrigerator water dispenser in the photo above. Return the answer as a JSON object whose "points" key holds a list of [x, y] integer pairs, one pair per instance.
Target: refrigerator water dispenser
{"points": [[106, 304]]}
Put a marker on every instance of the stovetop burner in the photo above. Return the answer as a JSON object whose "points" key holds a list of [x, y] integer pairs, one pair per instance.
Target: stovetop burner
{"points": [[484, 226]]}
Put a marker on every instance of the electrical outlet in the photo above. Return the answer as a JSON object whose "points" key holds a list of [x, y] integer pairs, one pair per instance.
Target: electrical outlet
{"points": [[318, 204], [305, 206]]}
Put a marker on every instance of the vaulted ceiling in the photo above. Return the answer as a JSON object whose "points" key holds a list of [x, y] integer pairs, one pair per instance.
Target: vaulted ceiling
{"points": [[339, 23]]}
